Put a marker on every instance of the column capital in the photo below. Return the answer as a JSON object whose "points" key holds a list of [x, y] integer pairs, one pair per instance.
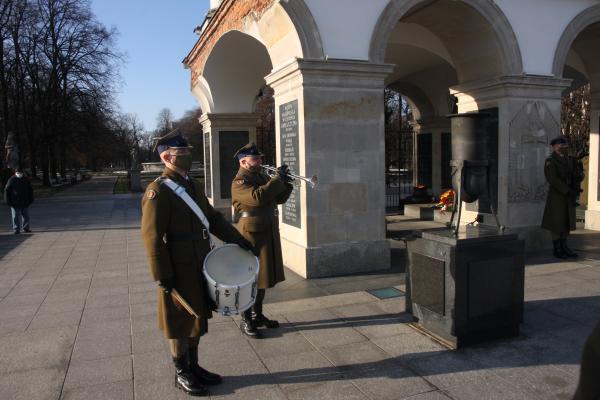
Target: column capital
{"points": [[335, 73], [433, 124], [514, 86], [228, 120]]}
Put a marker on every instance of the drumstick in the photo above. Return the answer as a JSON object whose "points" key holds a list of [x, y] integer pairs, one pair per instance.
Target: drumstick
{"points": [[184, 303]]}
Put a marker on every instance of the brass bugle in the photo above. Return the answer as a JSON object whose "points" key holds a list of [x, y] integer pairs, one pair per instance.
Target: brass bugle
{"points": [[312, 182]]}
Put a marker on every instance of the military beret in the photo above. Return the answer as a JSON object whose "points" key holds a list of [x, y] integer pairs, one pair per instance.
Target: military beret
{"points": [[248, 150], [173, 139], [559, 140]]}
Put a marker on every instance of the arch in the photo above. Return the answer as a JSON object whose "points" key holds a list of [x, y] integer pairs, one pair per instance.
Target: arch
{"points": [[416, 96], [306, 28], [234, 73], [512, 63], [286, 28], [584, 19], [201, 92]]}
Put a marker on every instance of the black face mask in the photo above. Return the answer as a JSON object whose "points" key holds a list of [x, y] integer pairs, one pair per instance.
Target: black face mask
{"points": [[183, 162]]}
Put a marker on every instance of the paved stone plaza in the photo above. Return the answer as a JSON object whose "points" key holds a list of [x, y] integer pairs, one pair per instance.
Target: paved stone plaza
{"points": [[77, 321]]}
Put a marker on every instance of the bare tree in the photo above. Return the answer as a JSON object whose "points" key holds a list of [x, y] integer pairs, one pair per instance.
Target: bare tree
{"points": [[164, 121]]}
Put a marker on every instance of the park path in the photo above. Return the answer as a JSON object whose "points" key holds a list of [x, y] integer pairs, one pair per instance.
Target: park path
{"points": [[78, 310]]}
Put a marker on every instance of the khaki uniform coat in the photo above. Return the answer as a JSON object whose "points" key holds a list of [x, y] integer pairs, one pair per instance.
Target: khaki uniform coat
{"points": [[589, 384], [256, 192], [165, 215], [559, 213]]}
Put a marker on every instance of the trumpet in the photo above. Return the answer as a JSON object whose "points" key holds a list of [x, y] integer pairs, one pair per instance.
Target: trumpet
{"points": [[271, 171]]}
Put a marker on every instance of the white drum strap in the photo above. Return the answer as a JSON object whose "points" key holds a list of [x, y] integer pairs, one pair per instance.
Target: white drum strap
{"points": [[183, 195]]}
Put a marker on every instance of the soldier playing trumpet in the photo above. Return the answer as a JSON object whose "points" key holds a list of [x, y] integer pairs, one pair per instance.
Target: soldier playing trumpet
{"points": [[255, 197]]}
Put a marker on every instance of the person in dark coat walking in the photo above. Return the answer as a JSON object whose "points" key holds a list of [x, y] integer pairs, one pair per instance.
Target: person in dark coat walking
{"points": [[18, 195], [559, 213], [255, 197]]}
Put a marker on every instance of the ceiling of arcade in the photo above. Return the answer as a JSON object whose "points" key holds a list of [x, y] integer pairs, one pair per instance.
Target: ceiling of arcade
{"points": [[436, 46], [583, 55]]}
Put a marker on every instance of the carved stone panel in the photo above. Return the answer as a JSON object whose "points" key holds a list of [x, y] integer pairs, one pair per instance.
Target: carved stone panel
{"points": [[531, 130]]}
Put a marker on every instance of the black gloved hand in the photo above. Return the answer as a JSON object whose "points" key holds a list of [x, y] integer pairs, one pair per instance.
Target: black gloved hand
{"points": [[283, 171], [167, 284], [246, 245]]}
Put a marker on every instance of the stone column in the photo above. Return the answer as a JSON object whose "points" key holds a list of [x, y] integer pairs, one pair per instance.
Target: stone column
{"points": [[223, 134], [329, 123], [528, 111], [592, 214], [436, 126]]}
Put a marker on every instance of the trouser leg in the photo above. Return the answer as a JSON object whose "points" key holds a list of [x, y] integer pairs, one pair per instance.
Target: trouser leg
{"points": [[257, 312], [16, 219], [25, 214], [185, 379], [205, 377], [565, 248]]}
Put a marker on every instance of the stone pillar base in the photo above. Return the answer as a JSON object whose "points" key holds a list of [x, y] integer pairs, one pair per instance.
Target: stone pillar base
{"points": [[336, 259], [592, 220]]}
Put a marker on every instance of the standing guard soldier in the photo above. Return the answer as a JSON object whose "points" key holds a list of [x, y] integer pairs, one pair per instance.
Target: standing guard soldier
{"points": [[559, 213], [255, 197], [176, 243]]}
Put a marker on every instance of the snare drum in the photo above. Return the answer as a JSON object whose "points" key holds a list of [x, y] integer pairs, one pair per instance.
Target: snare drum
{"points": [[231, 275]]}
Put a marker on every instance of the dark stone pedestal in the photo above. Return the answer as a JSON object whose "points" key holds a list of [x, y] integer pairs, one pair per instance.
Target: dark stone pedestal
{"points": [[466, 289]]}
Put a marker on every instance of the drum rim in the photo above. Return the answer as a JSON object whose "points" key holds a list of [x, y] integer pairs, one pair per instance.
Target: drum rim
{"points": [[255, 278]]}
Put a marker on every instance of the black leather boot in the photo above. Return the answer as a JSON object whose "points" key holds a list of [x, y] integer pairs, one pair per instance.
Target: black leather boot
{"points": [[185, 379], [558, 251], [257, 313], [566, 250], [247, 325], [205, 377]]}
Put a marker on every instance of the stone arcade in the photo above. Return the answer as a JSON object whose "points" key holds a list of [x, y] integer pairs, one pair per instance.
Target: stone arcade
{"points": [[328, 63]]}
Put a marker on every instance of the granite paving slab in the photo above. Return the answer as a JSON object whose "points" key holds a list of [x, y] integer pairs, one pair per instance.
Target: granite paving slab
{"points": [[78, 312]]}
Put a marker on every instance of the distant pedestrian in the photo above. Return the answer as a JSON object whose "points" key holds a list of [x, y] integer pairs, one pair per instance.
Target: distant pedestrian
{"points": [[18, 194], [559, 214]]}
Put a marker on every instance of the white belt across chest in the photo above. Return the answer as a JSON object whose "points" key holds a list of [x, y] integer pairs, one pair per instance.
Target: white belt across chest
{"points": [[183, 195]]}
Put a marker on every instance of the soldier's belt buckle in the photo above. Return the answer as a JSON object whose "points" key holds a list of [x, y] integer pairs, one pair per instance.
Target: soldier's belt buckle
{"points": [[204, 234]]}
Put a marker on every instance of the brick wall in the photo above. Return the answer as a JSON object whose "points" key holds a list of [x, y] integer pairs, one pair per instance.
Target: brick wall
{"points": [[230, 16]]}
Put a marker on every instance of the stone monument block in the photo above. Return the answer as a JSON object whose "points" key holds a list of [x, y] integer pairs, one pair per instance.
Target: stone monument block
{"points": [[468, 288]]}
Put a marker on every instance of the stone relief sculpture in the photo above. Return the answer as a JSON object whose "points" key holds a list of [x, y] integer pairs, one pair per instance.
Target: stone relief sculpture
{"points": [[530, 132], [12, 151]]}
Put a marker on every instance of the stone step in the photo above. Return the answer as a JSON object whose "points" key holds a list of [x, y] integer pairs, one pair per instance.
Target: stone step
{"points": [[423, 212]]}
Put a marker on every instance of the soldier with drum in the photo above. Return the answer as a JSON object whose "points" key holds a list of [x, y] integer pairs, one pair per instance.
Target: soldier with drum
{"points": [[255, 197], [176, 242]]}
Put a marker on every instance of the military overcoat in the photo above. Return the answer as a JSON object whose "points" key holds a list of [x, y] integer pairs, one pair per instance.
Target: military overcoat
{"points": [[176, 244], [559, 213], [256, 193]]}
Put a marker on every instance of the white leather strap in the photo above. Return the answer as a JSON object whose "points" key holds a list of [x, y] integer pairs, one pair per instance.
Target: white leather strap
{"points": [[183, 195]]}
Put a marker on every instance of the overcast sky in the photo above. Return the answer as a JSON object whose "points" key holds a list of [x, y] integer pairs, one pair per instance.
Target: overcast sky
{"points": [[155, 35]]}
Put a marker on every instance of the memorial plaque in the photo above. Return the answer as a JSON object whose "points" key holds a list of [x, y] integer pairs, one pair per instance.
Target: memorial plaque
{"points": [[229, 143], [288, 131], [207, 169], [428, 284], [424, 159]]}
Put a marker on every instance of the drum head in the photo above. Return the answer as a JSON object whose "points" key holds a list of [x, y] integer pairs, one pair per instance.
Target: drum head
{"points": [[230, 265]]}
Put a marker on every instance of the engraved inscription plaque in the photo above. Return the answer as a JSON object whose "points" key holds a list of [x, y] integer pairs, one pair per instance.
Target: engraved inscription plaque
{"points": [[288, 131]]}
